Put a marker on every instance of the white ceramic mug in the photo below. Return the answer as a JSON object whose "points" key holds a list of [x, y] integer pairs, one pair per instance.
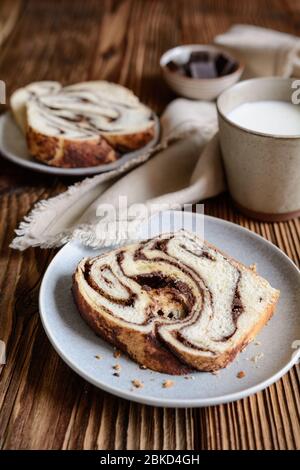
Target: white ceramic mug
{"points": [[263, 170]]}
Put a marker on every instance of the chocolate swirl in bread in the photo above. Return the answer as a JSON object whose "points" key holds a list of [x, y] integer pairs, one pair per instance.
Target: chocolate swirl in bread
{"points": [[86, 124], [173, 303]]}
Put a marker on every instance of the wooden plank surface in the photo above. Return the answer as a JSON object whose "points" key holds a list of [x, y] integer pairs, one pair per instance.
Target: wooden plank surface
{"points": [[43, 404]]}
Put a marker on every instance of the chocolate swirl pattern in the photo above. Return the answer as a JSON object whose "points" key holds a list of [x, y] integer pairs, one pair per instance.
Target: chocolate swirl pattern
{"points": [[81, 125], [173, 303]]}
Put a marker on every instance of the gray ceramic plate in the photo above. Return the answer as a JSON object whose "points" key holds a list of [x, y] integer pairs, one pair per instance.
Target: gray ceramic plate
{"points": [[78, 345], [13, 147]]}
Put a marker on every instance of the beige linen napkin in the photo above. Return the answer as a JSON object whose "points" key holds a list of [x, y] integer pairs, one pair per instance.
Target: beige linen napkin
{"points": [[181, 170], [264, 52]]}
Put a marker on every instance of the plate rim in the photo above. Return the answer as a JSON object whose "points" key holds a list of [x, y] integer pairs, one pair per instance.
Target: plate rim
{"points": [[172, 402], [83, 171]]}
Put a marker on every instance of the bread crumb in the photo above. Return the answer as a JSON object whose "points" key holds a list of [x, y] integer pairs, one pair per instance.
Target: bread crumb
{"points": [[116, 374], [168, 383], [117, 354], [137, 383], [117, 367], [143, 367], [98, 357], [253, 267], [241, 374], [257, 357]]}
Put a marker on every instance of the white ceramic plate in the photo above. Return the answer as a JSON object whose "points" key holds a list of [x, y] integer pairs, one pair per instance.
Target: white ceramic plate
{"points": [[78, 345], [13, 147]]}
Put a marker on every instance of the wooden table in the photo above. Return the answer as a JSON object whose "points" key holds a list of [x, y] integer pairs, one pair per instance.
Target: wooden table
{"points": [[43, 404]]}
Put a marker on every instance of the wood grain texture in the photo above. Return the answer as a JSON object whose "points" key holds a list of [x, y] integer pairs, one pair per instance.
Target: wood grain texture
{"points": [[43, 404], [10, 13]]}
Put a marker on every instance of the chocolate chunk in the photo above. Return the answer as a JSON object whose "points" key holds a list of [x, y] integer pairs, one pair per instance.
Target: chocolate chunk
{"points": [[174, 67], [203, 70], [224, 65], [204, 64], [199, 56], [221, 62]]}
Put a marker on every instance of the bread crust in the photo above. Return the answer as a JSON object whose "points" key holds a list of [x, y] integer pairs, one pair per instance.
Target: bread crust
{"points": [[66, 153], [68, 127], [143, 348], [131, 141], [149, 348], [57, 151], [214, 363]]}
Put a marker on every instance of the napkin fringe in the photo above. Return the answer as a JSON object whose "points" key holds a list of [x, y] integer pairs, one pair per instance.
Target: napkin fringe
{"points": [[23, 238], [86, 236]]}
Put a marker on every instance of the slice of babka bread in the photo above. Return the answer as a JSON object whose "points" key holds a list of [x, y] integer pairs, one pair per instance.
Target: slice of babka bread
{"points": [[81, 125], [173, 302]]}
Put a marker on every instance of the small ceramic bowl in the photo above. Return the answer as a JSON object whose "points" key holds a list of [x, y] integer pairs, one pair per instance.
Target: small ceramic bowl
{"points": [[197, 88]]}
